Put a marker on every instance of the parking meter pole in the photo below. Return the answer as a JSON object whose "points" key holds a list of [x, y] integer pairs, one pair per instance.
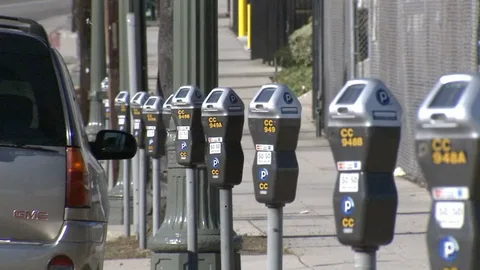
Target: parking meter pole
{"points": [[143, 168], [365, 259], [364, 127], [226, 228], [133, 83], [156, 195], [275, 238], [192, 215], [126, 197], [98, 69]]}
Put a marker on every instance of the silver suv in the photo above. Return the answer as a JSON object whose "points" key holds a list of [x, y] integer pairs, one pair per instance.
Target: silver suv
{"points": [[53, 190]]}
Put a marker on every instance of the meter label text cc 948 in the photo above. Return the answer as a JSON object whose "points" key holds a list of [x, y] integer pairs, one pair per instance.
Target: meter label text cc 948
{"points": [[443, 153], [349, 139]]}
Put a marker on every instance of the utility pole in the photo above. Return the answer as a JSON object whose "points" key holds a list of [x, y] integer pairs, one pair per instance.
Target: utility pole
{"points": [[141, 33], [98, 66], [82, 16], [111, 21]]}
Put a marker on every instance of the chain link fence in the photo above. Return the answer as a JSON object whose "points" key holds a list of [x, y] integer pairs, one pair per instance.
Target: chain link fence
{"points": [[408, 44]]}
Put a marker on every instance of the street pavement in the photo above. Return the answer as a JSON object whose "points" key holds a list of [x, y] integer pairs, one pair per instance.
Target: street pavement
{"points": [[309, 232]]}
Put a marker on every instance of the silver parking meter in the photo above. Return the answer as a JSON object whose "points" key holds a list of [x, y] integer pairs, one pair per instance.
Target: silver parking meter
{"points": [[122, 107], [155, 137], [447, 145], [222, 119], [363, 129], [190, 146], [274, 120], [140, 168]]}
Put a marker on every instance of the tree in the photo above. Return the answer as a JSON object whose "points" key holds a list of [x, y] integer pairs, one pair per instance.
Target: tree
{"points": [[82, 15], [165, 48]]}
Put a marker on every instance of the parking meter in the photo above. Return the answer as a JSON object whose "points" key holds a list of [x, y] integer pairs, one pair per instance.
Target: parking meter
{"points": [[363, 129], [447, 147], [222, 120], [274, 119], [105, 100], [167, 111], [155, 128], [136, 105], [186, 112], [122, 106]]}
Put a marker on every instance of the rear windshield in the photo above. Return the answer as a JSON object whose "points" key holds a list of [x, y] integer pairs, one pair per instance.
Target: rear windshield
{"points": [[31, 109]]}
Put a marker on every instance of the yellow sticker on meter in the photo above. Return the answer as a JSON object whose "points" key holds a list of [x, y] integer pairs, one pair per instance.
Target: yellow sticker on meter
{"points": [[349, 139], [443, 153]]}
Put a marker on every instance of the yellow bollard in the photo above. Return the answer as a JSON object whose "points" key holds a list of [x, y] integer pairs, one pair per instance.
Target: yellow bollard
{"points": [[242, 18], [249, 26]]}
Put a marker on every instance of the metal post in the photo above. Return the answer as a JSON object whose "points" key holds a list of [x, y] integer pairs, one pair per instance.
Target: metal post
{"points": [[351, 26], [98, 69], [274, 238], [226, 228], [365, 259], [156, 178], [142, 206], [192, 213], [132, 64], [126, 197]]}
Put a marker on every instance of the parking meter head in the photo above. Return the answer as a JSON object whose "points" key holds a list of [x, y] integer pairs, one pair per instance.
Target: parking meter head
{"points": [[186, 113], [167, 111], [223, 114], [136, 105], [155, 133], [122, 107], [447, 147], [274, 117], [274, 120], [364, 123]]}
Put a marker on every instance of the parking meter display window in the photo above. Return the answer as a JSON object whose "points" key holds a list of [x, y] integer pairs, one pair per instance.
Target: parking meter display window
{"points": [[214, 97], [361, 222], [121, 96], [182, 93], [150, 102], [375, 148], [351, 94], [449, 95], [276, 183], [265, 95]]}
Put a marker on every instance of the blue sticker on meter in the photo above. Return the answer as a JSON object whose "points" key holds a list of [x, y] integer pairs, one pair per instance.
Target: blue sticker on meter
{"points": [[215, 162], [348, 205], [183, 145], [263, 174], [287, 97], [448, 248], [382, 97]]}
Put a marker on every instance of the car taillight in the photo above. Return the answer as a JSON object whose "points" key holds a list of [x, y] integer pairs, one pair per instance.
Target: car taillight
{"points": [[60, 263], [78, 190]]}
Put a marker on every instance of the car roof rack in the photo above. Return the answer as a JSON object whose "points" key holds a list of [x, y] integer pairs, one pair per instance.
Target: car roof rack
{"points": [[33, 27]]}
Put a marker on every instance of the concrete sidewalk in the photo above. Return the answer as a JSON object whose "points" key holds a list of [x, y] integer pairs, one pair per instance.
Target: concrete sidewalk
{"points": [[309, 231]]}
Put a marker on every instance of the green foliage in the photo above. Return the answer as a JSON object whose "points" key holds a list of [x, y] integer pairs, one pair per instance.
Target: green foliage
{"points": [[298, 78], [296, 61]]}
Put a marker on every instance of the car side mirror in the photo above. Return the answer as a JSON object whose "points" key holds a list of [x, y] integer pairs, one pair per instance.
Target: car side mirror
{"points": [[114, 145]]}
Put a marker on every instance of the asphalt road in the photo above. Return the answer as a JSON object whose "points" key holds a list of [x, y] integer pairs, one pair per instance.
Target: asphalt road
{"points": [[35, 9]]}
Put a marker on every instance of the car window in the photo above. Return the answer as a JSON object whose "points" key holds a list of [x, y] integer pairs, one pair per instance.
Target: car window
{"points": [[31, 110]]}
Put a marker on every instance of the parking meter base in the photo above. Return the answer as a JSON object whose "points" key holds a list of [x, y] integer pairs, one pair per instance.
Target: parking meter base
{"points": [[116, 210], [179, 261], [369, 219]]}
